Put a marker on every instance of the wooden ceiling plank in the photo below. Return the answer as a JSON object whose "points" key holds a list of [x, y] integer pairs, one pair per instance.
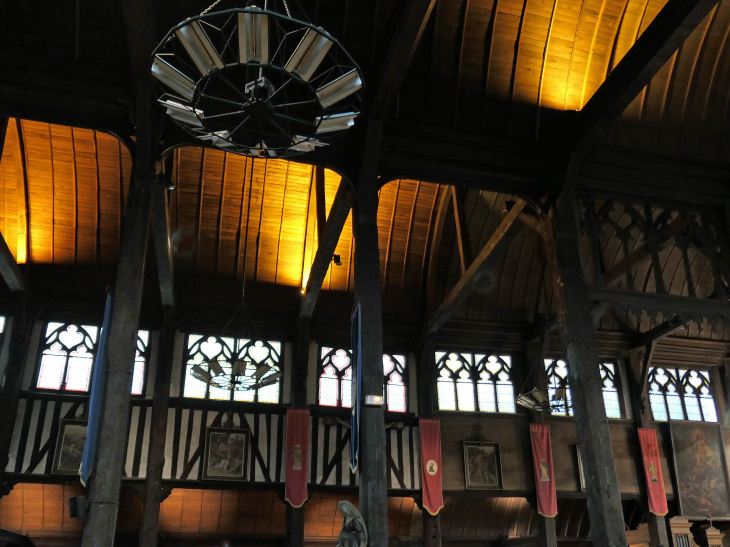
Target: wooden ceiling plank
{"points": [[408, 237], [335, 222], [470, 280], [21, 189], [402, 47], [433, 254], [319, 187], [666, 33], [391, 225]]}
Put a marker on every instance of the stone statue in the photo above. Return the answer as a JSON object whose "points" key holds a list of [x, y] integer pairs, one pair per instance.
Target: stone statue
{"points": [[354, 533]]}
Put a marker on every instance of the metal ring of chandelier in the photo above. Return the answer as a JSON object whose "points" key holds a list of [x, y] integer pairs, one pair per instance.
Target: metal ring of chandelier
{"points": [[257, 82]]}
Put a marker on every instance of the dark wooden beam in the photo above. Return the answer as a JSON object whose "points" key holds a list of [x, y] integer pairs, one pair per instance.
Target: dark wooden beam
{"points": [[401, 49], [335, 222], [433, 255], [652, 302], [106, 478], [643, 253], [372, 465], [18, 340], [472, 277], [160, 219], [63, 94], [9, 269], [458, 195], [571, 294], [660, 331], [21, 190], [320, 203], [3, 132], [666, 33], [148, 536]]}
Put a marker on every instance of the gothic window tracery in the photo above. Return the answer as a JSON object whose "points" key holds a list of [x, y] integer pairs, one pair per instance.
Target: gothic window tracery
{"points": [[259, 361], [474, 382], [680, 394]]}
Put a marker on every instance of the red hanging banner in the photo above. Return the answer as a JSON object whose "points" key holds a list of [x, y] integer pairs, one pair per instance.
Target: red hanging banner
{"points": [[297, 456], [433, 498], [653, 472], [542, 456]]}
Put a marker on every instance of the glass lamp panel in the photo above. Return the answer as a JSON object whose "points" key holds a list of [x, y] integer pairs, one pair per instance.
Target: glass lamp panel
{"points": [[708, 409], [50, 374], [396, 397], [692, 405], [447, 399], [328, 384], [194, 388], [487, 402], [505, 397], [465, 394], [78, 371], [610, 401], [674, 404], [658, 408], [138, 376]]}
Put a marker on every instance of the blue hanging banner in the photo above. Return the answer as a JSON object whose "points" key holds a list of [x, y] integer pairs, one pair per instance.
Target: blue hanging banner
{"points": [[97, 395], [356, 388]]}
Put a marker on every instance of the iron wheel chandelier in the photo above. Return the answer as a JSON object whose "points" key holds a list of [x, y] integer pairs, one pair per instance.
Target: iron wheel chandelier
{"points": [[257, 81]]}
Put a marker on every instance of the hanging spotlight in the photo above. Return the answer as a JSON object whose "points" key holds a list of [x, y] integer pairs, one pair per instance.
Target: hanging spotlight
{"points": [[308, 55], [215, 367], [342, 87], [198, 46], [253, 38], [337, 122], [284, 87], [173, 78], [201, 374]]}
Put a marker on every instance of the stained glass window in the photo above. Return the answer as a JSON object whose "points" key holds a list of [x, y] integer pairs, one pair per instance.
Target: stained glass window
{"points": [[610, 390], [335, 379], [679, 394], [68, 353], [561, 402], [474, 381], [222, 358]]}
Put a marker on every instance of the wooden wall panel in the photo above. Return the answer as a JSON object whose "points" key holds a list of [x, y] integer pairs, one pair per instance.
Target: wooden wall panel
{"points": [[39, 507]]}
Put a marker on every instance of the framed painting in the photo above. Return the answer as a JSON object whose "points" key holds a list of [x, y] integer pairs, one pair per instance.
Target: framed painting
{"points": [[482, 466], [226, 454], [699, 465], [69, 447]]}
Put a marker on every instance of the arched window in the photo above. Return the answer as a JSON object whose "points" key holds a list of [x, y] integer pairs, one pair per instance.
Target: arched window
{"points": [[67, 358], [610, 390], [335, 379], [474, 381], [558, 388], [679, 394], [255, 364]]}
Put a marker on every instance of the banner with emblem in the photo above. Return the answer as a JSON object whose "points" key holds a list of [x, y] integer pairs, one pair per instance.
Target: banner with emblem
{"points": [[542, 455], [653, 472], [433, 497], [297, 456]]}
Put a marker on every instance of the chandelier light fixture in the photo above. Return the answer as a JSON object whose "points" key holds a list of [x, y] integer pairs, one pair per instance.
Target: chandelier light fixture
{"points": [[257, 81]]}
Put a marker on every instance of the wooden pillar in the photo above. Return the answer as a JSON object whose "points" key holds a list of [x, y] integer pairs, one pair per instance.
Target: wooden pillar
{"points": [[579, 343], [640, 361], [426, 407], [300, 367], [17, 339], [373, 485], [106, 480], [158, 430]]}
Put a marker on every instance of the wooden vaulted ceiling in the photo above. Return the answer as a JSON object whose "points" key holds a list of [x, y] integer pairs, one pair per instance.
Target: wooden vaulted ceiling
{"points": [[236, 217]]}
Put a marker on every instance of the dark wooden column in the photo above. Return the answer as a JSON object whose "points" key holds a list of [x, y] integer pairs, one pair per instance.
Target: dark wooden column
{"points": [[373, 485], [158, 430], [640, 361], [426, 407], [106, 479], [579, 344], [300, 367], [17, 339]]}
